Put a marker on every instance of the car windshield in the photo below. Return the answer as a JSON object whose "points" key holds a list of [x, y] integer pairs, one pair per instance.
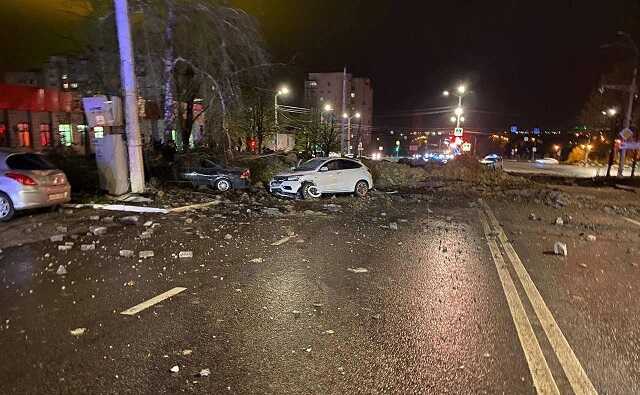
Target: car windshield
{"points": [[310, 165], [28, 162]]}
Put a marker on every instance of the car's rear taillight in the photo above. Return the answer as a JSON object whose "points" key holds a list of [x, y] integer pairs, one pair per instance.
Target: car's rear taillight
{"points": [[246, 174], [21, 178]]}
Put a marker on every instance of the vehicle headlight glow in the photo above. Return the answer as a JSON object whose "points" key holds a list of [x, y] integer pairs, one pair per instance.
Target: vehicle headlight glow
{"points": [[294, 178]]}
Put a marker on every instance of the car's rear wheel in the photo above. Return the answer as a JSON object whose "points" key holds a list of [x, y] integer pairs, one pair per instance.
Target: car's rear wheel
{"points": [[6, 207], [361, 189], [310, 191], [223, 185]]}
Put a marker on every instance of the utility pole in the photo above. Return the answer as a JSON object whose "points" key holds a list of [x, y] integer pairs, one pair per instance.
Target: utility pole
{"points": [[344, 106], [627, 119], [130, 93]]}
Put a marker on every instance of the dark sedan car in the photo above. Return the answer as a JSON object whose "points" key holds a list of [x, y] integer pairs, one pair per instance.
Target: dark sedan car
{"points": [[213, 174]]}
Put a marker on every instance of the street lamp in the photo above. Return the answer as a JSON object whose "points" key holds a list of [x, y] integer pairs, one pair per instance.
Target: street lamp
{"points": [[349, 118], [461, 91], [326, 108], [453, 119], [283, 91]]}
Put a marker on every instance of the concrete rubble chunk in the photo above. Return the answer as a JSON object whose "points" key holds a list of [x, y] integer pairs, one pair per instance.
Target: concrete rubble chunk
{"points": [[61, 229], [148, 224], [146, 234], [358, 270], [560, 249], [559, 221], [532, 217], [185, 254], [130, 220], [175, 369], [61, 270], [146, 254], [107, 219], [591, 238], [64, 247], [257, 260], [87, 247], [205, 372], [228, 236], [78, 331], [126, 253], [56, 238], [393, 226], [94, 218], [98, 230]]}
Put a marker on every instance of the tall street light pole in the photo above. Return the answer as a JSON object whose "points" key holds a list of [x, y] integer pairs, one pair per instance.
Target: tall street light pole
{"points": [[130, 92], [630, 89], [326, 108], [460, 92], [284, 91], [349, 118]]}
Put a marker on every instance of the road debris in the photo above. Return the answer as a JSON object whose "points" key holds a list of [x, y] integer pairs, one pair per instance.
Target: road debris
{"points": [[56, 238], [591, 238], [98, 230], [87, 247], [559, 221], [62, 270], [533, 217], [205, 372], [146, 254], [560, 249], [77, 331], [228, 236], [64, 247], [175, 369], [282, 241], [61, 229], [358, 270], [185, 254], [186, 352], [126, 253], [393, 226], [257, 260], [130, 220]]}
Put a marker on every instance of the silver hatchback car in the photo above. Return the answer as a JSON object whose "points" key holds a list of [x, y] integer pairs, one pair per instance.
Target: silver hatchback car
{"points": [[28, 180]]}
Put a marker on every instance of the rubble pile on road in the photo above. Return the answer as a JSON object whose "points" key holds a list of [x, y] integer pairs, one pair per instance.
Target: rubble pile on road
{"points": [[389, 175]]}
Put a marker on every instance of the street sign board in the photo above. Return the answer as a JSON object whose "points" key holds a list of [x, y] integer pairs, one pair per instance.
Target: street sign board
{"points": [[514, 129], [526, 138], [466, 147], [458, 132], [630, 145], [626, 134], [534, 149], [536, 130]]}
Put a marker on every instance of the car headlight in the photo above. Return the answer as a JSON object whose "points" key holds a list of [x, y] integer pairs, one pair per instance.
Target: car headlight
{"points": [[294, 178]]}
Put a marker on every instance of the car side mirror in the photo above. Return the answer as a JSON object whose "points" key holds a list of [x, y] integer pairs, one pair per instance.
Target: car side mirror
{"points": [[323, 169]]}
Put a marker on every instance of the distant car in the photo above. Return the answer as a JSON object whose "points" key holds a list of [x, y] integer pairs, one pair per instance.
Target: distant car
{"points": [[323, 175], [28, 180], [547, 161], [492, 161], [207, 172]]}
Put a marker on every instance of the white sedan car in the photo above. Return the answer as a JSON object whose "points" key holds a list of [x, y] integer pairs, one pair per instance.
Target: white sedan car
{"points": [[547, 161], [323, 175]]}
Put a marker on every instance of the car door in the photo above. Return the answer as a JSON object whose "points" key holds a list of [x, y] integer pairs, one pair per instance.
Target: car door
{"points": [[351, 172], [326, 180]]}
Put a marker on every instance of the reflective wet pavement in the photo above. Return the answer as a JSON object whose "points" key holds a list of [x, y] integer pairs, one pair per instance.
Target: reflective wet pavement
{"points": [[429, 315]]}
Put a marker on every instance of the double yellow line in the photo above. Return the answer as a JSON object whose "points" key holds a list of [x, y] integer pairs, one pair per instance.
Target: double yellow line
{"points": [[540, 373]]}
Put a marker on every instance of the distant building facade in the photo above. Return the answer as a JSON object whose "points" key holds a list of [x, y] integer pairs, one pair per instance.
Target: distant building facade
{"points": [[356, 93]]}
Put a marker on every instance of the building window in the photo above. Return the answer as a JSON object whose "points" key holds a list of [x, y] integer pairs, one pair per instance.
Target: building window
{"points": [[98, 132], [66, 135], [24, 137], [45, 134], [82, 129]]}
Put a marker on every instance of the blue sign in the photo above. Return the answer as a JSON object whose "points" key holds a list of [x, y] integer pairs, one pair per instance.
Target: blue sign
{"points": [[514, 129], [536, 130]]}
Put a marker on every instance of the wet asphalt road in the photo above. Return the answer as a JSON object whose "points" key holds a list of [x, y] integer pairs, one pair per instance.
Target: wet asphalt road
{"points": [[428, 316]]}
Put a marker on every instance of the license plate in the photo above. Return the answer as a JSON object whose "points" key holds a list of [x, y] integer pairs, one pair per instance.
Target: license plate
{"points": [[56, 196]]}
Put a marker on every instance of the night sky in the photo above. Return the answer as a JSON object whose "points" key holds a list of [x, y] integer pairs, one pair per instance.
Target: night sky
{"points": [[530, 63]]}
